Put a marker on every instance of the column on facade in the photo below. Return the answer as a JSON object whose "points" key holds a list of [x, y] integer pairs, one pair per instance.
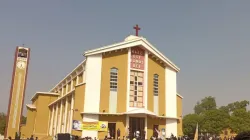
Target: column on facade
{"points": [[55, 122], [65, 115], [72, 84], [77, 79], [59, 124], [51, 120], [68, 114], [71, 113], [145, 84], [146, 127], [67, 87]]}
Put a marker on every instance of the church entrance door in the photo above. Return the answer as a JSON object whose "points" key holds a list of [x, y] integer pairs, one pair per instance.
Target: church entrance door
{"points": [[137, 124]]}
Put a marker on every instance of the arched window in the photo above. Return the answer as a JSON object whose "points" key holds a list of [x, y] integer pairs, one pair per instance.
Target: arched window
{"points": [[113, 79], [156, 88]]}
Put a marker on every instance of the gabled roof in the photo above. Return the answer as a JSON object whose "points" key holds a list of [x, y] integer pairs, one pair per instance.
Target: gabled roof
{"points": [[44, 93], [132, 41]]}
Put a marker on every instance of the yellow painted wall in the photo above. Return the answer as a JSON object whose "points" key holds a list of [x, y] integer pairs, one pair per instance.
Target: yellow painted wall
{"points": [[27, 131], [179, 114], [19, 74], [22, 130], [153, 121], [41, 122], [154, 67], [118, 60], [78, 106], [120, 123]]}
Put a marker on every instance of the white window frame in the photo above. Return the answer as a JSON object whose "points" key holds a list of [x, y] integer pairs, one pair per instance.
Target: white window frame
{"points": [[113, 79], [156, 85]]}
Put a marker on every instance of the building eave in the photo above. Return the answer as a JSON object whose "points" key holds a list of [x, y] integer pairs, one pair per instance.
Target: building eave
{"points": [[30, 106], [124, 113], [139, 41], [64, 96], [44, 93], [66, 77], [179, 95]]}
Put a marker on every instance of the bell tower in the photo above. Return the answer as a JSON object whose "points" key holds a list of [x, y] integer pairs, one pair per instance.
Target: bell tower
{"points": [[17, 91]]}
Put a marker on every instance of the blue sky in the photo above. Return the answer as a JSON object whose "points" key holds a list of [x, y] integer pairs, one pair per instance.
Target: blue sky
{"points": [[208, 40]]}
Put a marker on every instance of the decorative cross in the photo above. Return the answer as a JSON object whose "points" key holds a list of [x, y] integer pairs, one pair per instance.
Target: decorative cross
{"points": [[137, 28]]}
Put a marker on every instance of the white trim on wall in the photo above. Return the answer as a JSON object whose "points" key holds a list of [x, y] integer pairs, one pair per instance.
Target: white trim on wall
{"points": [[51, 121], [170, 81], [60, 119], [145, 82], [65, 115], [93, 80], [171, 127], [55, 122], [71, 112], [128, 78]]}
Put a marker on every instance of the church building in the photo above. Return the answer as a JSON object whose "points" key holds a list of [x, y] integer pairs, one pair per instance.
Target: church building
{"points": [[124, 88]]}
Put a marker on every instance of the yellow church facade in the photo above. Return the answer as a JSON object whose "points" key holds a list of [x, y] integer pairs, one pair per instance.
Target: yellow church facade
{"points": [[130, 86]]}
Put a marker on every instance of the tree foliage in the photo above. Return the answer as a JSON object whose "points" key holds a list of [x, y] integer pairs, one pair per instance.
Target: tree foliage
{"points": [[189, 123], [240, 120], [208, 103], [213, 119], [3, 122]]}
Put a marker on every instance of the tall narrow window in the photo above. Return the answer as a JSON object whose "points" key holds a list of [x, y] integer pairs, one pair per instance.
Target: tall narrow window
{"points": [[113, 79], [136, 89], [156, 80]]}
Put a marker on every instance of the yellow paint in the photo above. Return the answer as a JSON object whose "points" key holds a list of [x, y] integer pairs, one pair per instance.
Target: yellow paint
{"points": [[120, 123], [179, 115], [19, 74], [37, 120], [117, 60], [42, 115], [154, 121], [27, 130], [79, 96], [154, 67]]}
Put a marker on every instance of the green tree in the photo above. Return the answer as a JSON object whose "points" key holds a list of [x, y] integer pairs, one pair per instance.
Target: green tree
{"points": [[238, 105], [207, 103], [240, 120], [230, 108], [189, 123], [2, 123], [214, 121], [23, 120]]}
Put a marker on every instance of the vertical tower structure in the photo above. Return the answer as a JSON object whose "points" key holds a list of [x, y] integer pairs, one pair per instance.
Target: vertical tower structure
{"points": [[17, 91]]}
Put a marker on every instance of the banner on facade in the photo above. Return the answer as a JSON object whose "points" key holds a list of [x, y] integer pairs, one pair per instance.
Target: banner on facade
{"points": [[95, 126]]}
